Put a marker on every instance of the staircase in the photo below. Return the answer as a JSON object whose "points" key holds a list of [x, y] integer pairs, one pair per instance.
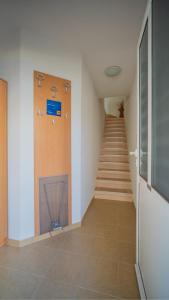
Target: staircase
{"points": [[113, 176]]}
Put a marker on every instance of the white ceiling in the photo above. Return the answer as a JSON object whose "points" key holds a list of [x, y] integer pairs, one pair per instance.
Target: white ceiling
{"points": [[105, 31]]}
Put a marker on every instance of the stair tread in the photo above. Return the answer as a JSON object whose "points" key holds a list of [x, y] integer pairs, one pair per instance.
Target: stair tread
{"points": [[114, 163], [115, 190], [113, 179], [114, 155], [103, 169]]}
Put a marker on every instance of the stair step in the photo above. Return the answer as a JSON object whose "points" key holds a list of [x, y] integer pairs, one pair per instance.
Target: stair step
{"points": [[115, 134], [114, 125], [113, 179], [114, 166], [114, 158], [116, 174], [114, 190], [115, 120], [114, 144], [110, 138], [113, 196], [114, 151], [125, 185]]}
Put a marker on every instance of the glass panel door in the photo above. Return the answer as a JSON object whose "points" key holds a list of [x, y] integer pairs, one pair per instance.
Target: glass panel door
{"points": [[143, 61], [160, 99]]}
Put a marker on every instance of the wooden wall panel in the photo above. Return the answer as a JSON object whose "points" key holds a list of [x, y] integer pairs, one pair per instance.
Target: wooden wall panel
{"points": [[52, 134]]}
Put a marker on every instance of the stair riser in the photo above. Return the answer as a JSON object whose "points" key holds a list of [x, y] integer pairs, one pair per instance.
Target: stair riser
{"points": [[111, 138], [114, 120], [115, 125], [104, 153], [111, 184], [113, 174], [114, 159], [114, 166], [115, 197], [114, 145], [110, 125], [115, 134], [114, 151]]}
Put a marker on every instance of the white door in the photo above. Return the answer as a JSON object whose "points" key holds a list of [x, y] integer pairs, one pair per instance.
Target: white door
{"points": [[153, 144]]}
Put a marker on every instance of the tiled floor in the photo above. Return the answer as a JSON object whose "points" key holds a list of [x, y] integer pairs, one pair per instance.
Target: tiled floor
{"points": [[95, 261]]}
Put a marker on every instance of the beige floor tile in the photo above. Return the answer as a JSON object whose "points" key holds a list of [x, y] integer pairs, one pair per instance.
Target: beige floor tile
{"points": [[49, 289], [127, 287], [90, 262], [33, 259], [55, 242], [97, 246], [15, 284], [100, 229], [104, 216], [68, 267], [101, 276], [88, 294], [88, 272], [126, 234], [126, 252]]}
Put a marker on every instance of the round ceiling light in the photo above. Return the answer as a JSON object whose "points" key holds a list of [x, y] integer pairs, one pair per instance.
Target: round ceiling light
{"points": [[112, 71]]}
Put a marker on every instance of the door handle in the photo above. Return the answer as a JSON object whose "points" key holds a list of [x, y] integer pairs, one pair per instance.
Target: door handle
{"points": [[134, 153]]}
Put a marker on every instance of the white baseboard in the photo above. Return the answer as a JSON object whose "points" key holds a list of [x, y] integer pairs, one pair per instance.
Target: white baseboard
{"points": [[34, 239], [140, 283]]}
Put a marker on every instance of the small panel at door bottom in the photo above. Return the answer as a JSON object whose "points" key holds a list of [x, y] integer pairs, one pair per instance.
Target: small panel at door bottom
{"points": [[53, 203]]}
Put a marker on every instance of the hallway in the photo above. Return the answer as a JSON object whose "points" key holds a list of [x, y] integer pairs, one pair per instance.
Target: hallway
{"points": [[95, 261]]}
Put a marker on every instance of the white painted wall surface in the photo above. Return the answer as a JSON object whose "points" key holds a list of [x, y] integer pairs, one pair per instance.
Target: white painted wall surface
{"points": [[9, 70], [131, 128], [112, 105], [91, 134], [19, 58]]}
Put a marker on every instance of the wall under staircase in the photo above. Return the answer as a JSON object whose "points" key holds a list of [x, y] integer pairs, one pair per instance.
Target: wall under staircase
{"points": [[113, 177]]}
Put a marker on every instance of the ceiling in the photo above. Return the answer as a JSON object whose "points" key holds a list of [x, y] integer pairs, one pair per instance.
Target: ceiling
{"points": [[105, 31]]}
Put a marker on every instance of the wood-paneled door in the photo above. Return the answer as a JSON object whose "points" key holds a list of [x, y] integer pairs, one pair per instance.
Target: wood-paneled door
{"points": [[52, 134], [3, 162]]}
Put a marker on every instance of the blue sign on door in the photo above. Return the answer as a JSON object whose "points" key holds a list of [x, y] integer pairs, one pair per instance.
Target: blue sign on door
{"points": [[54, 108]]}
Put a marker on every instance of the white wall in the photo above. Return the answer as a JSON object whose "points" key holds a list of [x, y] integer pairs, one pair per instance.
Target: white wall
{"points": [[112, 104], [25, 53], [9, 70], [131, 127], [91, 132]]}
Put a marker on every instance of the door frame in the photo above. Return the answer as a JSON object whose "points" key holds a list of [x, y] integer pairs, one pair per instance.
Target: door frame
{"points": [[36, 200], [147, 20]]}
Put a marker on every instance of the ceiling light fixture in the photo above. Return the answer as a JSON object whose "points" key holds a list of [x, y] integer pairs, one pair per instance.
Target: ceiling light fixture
{"points": [[112, 71]]}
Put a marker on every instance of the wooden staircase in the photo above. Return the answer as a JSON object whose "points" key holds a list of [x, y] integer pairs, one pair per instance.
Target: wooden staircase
{"points": [[113, 176]]}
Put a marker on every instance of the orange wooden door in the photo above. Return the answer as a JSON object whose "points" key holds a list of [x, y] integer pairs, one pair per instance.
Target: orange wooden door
{"points": [[52, 133], [3, 162]]}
